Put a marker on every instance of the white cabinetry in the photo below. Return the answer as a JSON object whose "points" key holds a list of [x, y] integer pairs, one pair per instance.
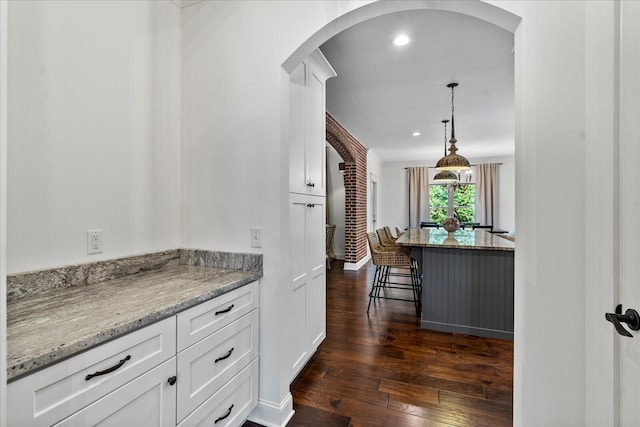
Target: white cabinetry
{"points": [[150, 378], [149, 400], [308, 284], [307, 207], [229, 346], [50, 395], [307, 170]]}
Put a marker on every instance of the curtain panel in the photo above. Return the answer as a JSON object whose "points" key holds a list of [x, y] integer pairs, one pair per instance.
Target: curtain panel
{"points": [[418, 180], [487, 193]]}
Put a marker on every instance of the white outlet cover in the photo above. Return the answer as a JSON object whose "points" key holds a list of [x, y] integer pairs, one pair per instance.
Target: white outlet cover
{"points": [[94, 241]]}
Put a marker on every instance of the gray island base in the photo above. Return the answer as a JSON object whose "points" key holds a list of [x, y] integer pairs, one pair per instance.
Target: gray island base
{"points": [[467, 280]]}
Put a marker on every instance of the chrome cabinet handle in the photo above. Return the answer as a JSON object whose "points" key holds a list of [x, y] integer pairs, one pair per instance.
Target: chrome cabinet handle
{"points": [[630, 317]]}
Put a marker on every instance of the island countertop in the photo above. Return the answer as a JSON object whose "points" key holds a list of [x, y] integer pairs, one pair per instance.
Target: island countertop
{"points": [[49, 326], [461, 239]]}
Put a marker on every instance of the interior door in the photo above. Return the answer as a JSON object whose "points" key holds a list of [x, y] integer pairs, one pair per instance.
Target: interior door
{"points": [[374, 203], [629, 347]]}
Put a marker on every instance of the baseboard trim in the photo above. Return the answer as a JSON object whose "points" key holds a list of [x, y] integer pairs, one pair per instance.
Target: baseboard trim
{"points": [[271, 414], [469, 330], [356, 266]]}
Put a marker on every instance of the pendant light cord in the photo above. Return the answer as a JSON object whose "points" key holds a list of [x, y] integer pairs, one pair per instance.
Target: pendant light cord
{"points": [[445, 136], [453, 128]]}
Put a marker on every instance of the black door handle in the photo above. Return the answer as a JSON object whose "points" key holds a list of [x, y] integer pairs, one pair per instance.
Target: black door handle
{"points": [[630, 317]]}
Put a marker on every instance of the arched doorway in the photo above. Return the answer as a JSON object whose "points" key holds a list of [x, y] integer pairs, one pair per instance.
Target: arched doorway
{"points": [[480, 10], [354, 155]]}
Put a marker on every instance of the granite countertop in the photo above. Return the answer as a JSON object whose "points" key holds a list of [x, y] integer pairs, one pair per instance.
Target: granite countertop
{"points": [[462, 239], [49, 326]]}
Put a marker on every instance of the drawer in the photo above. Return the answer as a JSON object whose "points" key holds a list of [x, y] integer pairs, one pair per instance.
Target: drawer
{"points": [[52, 394], [148, 400], [207, 365], [196, 323], [232, 404]]}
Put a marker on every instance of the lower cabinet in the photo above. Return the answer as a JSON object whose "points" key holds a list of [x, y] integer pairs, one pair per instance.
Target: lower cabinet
{"points": [[307, 326], [149, 400], [145, 379], [232, 404]]}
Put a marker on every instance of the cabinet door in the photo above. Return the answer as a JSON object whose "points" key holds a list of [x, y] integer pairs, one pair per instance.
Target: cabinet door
{"points": [[148, 400], [52, 394], [297, 332], [316, 261], [307, 321], [307, 118], [315, 132], [297, 149]]}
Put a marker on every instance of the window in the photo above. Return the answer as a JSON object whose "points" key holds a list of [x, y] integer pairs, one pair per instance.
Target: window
{"points": [[463, 202]]}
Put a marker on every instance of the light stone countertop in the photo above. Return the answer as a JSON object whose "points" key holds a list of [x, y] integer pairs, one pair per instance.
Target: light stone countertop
{"points": [[47, 327], [461, 239]]}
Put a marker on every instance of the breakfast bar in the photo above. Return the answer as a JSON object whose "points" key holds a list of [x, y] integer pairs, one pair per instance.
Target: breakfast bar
{"points": [[468, 280]]}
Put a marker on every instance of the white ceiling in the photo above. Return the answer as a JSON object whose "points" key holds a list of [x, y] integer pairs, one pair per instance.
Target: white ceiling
{"points": [[384, 93]]}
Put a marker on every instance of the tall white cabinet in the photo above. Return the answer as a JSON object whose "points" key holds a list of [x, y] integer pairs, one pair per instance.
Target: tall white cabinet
{"points": [[307, 207]]}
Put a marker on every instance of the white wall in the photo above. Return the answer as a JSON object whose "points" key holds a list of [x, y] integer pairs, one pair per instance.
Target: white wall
{"points": [[374, 174], [336, 199], [235, 154], [549, 368], [395, 193], [3, 211], [235, 151], [94, 141]]}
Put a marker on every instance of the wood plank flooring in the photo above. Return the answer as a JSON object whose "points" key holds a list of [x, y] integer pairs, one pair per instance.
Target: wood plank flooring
{"points": [[384, 370]]}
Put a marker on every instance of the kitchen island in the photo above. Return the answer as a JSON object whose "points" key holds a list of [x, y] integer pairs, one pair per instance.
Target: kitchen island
{"points": [[467, 280]]}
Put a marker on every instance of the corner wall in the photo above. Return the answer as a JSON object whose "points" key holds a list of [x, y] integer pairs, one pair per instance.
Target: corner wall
{"points": [[94, 140]]}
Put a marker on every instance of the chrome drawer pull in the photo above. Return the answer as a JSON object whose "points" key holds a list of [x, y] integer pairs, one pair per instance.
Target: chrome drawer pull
{"points": [[107, 371], [226, 356], [226, 310], [225, 415]]}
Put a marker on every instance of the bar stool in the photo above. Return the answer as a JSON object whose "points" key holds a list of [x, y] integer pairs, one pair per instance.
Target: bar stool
{"points": [[385, 260]]}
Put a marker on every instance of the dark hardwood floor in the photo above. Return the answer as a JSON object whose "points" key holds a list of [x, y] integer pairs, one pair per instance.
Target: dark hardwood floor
{"points": [[384, 370]]}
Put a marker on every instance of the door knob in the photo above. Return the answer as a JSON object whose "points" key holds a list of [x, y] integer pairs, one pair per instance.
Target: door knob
{"points": [[630, 317]]}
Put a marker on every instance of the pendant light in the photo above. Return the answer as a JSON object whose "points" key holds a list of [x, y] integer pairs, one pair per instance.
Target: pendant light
{"points": [[444, 176], [453, 161]]}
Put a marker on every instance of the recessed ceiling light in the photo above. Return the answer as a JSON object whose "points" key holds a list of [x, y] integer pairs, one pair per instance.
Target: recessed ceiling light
{"points": [[416, 134], [401, 40]]}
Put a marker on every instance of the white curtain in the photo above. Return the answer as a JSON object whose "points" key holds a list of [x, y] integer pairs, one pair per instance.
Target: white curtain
{"points": [[418, 179], [487, 193]]}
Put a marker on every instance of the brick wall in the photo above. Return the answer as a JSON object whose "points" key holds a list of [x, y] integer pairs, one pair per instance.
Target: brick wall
{"points": [[354, 155]]}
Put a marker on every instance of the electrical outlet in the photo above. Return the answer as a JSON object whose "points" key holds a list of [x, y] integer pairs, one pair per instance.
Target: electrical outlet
{"points": [[94, 242], [256, 237]]}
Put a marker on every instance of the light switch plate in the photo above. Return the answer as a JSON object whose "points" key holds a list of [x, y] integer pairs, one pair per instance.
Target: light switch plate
{"points": [[256, 237]]}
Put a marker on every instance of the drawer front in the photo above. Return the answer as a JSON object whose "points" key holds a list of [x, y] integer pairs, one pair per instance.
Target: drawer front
{"points": [[52, 394], [207, 365], [148, 400], [232, 404], [202, 320]]}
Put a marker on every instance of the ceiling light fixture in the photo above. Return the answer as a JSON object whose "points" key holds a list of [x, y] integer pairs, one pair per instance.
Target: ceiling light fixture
{"points": [[418, 133], [401, 40], [453, 161], [445, 176]]}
